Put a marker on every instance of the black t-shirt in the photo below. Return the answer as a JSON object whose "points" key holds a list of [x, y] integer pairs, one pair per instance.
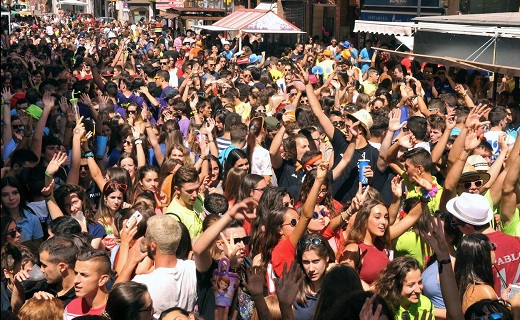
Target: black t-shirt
{"points": [[51, 288], [288, 177], [205, 296], [346, 185]]}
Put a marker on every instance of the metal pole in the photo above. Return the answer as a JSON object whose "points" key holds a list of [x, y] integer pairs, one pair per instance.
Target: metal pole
{"points": [[418, 8]]}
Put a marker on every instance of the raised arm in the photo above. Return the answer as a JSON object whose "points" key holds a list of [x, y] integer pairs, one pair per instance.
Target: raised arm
{"points": [[48, 104], [325, 122], [201, 248], [54, 165], [274, 149], [7, 131], [79, 133], [509, 198], [310, 203], [437, 240], [439, 148]]}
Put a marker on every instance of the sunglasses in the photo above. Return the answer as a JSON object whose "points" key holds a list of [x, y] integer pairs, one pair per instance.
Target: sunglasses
{"points": [[121, 186], [260, 189], [303, 242], [12, 233], [16, 126], [211, 64], [304, 101], [288, 203], [316, 215], [163, 63], [244, 240], [455, 222], [338, 124], [292, 94], [468, 184], [293, 223], [260, 110], [85, 166], [132, 111]]}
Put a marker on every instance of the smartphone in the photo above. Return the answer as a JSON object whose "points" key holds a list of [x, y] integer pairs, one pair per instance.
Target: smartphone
{"points": [[137, 216], [515, 289]]}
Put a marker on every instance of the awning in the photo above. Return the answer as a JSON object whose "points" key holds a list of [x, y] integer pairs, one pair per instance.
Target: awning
{"points": [[73, 2], [253, 21], [406, 40], [389, 28], [456, 62], [168, 15]]}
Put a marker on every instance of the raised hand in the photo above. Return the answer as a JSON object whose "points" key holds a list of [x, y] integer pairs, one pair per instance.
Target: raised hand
{"points": [[473, 118], [64, 105], [233, 250], [255, 280], [86, 99], [287, 288], [128, 233], [322, 169], [145, 113], [407, 141], [366, 312], [48, 100], [472, 140], [397, 186], [58, 159], [79, 130], [436, 238], [243, 209], [103, 102], [47, 191], [136, 132], [7, 94], [303, 74], [502, 141], [451, 121], [394, 122]]}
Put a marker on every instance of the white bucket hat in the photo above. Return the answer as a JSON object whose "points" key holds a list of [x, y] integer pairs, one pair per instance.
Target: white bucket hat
{"points": [[473, 209]]}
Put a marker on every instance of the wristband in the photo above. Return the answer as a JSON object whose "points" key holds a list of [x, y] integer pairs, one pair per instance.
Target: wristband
{"points": [[459, 158], [138, 141], [49, 175], [441, 264], [89, 154]]}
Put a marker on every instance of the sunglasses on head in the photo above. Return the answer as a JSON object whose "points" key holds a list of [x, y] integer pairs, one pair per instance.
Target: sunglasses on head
{"points": [[316, 215], [12, 233], [338, 124], [468, 184], [252, 127], [121, 186], [293, 223], [303, 242]]}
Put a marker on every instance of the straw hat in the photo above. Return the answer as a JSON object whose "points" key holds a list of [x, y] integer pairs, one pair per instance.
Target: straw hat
{"points": [[365, 119]]}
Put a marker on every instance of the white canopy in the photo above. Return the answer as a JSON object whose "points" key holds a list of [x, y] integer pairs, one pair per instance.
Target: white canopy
{"points": [[73, 2]]}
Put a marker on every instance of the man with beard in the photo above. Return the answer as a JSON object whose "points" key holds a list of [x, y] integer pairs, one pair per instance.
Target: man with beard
{"points": [[57, 260], [174, 281]]}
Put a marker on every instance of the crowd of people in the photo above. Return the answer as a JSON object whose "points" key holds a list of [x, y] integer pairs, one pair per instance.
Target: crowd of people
{"points": [[151, 174]]}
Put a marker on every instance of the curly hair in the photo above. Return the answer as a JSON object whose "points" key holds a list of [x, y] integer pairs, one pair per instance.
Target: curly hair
{"points": [[389, 283]]}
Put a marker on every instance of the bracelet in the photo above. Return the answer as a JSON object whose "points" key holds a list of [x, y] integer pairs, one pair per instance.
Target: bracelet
{"points": [[441, 264], [210, 141], [148, 127], [194, 112], [49, 196], [138, 141], [89, 154], [49, 175], [459, 158]]}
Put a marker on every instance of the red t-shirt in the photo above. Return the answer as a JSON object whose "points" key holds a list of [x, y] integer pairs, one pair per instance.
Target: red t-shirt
{"points": [[78, 307], [15, 98], [507, 258], [283, 252]]}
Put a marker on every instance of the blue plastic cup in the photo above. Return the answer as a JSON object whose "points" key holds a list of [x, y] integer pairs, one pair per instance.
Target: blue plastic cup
{"points": [[362, 164], [101, 145]]}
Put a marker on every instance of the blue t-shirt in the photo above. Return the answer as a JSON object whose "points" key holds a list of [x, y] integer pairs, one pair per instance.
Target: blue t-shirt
{"points": [[366, 54], [96, 230], [31, 227]]}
